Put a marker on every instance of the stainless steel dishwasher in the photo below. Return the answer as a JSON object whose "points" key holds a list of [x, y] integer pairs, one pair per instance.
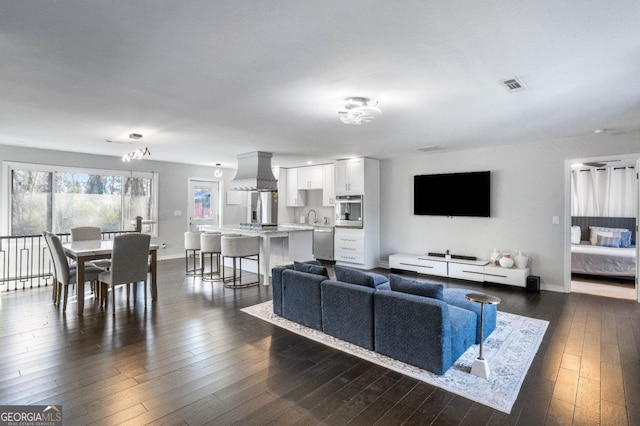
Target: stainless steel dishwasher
{"points": [[323, 242]]}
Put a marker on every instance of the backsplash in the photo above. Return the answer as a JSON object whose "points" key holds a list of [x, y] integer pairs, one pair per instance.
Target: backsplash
{"points": [[314, 202]]}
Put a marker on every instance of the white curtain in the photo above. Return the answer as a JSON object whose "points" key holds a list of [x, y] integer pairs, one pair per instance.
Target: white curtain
{"points": [[606, 192]]}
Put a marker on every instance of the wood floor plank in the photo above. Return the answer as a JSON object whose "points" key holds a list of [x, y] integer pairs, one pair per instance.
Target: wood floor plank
{"points": [[587, 411]]}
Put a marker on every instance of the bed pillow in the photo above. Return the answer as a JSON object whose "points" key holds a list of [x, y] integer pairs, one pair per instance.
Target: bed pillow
{"points": [[612, 241], [575, 235], [419, 288], [624, 234], [625, 239]]}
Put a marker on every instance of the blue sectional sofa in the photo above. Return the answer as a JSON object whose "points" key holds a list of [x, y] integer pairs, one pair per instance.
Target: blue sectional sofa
{"points": [[415, 322]]}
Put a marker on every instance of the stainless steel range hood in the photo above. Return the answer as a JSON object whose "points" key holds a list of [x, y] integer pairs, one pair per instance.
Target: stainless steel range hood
{"points": [[254, 173]]}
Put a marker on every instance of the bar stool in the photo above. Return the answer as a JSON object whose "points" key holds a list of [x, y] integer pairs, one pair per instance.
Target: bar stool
{"points": [[209, 246], [191, 247], [240, 247]]}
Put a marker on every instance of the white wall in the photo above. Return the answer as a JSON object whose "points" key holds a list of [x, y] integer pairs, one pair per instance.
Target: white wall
{"points": [[528, 189], [172, 193]]}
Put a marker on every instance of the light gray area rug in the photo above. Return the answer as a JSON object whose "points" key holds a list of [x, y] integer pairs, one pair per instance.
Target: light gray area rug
{"points": [[510, 349]]}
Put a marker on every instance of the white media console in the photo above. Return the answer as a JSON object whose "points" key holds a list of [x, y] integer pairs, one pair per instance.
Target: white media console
{"points": [[472, 270]]}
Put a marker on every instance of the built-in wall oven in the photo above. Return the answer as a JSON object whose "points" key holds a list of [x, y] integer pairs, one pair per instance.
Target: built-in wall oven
{"points": [[349, 211]]}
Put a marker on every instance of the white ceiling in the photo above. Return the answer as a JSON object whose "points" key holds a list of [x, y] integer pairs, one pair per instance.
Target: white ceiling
{"points": [[204, 81]]}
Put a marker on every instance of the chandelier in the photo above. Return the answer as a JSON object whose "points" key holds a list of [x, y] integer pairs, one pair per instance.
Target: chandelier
{"points": [[358, 110], [136, 155]]}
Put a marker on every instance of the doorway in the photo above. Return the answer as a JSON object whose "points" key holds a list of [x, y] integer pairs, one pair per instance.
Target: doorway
{"points": [[204, 204], [602, 206]]}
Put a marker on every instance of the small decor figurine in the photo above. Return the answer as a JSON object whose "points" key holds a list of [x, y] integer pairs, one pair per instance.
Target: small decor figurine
{"points": [[495, 256], [506, 261], [521, 260]]}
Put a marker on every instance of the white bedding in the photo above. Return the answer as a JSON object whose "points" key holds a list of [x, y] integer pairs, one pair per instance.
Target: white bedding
{"points": [[598, 260]]}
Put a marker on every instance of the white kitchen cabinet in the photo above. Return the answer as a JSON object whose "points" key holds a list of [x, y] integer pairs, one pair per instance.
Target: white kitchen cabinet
{"points": [[349, 176], [359, 176], [295, 197], [310, 177], [328, 186], [349, 245]]}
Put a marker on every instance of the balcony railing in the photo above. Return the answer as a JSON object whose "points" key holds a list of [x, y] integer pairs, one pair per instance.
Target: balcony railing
{"points": [[25, 261]]}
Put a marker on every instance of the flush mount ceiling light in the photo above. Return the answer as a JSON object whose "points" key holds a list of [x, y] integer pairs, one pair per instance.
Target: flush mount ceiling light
{"points": [[358, 110], [138, 154]]}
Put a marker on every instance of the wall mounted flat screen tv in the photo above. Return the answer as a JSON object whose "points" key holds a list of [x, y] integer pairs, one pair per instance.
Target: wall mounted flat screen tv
{"points": [[453, 194]]}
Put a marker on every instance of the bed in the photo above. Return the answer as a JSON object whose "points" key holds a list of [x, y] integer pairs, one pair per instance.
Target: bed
{"points": [[593, 253]]}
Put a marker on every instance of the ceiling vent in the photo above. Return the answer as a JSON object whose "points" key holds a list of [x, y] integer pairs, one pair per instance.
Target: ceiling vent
{"points": [[513, 84]]}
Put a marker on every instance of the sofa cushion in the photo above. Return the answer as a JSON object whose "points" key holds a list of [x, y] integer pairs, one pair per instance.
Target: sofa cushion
{"points": [[419, 288], [434, 346], [347, 312], [358, 277], [276, 284], [458, 297], [301, 300], [310, 268]]}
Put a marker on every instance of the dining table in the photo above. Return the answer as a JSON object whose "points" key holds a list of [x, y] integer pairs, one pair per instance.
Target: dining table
{"points": [[86, 251]]}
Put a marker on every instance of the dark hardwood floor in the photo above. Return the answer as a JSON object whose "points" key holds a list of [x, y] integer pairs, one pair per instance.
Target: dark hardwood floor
{"points": [[193, 358]]}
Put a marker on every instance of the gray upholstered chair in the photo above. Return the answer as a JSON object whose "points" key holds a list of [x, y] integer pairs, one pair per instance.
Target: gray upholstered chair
{"points": [[240, 247], [90, 233], [209, 246], [191, 248], [63, 274], [129, 264]]}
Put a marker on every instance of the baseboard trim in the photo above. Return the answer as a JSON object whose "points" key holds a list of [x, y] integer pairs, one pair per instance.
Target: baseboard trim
{"points": [[384, 264], [171, 257]]}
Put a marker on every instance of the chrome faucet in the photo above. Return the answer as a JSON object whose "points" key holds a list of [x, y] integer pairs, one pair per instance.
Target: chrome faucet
{"points": [[315, 216]]}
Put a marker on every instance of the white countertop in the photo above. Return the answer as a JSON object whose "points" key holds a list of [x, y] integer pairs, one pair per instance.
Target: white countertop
{"points": [[250, 231], [304, 225]]}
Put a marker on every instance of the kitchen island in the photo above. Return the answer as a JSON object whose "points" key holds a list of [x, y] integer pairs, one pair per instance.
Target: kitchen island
{"points": [[279, 245]]}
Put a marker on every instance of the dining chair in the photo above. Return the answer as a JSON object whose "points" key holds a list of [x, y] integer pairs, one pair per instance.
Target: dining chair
{"points": [[90, 233], [129, 264], [64, 275]]}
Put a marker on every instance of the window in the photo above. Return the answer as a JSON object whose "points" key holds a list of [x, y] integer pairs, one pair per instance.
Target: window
{"points": [[60, 198]]}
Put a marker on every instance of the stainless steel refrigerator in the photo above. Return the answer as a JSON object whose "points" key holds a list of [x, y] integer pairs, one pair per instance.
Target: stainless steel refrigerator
{"points": [[264, 207]]}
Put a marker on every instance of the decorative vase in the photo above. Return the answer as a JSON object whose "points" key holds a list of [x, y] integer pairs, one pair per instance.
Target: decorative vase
{"points": [[495, 256], [506, 261], [521, 260]]}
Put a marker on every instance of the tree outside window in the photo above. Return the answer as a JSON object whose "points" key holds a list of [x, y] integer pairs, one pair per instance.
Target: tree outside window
{"points": [[61, 200]]}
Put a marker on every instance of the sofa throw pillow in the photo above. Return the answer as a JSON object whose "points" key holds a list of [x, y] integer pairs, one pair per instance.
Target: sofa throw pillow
{"points": [[606, 241], [419, 288], [575, 235], [310, 268], [358, 277]]}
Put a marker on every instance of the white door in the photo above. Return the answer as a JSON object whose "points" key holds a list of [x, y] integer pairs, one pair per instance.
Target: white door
{"points": [[204, 204]]}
